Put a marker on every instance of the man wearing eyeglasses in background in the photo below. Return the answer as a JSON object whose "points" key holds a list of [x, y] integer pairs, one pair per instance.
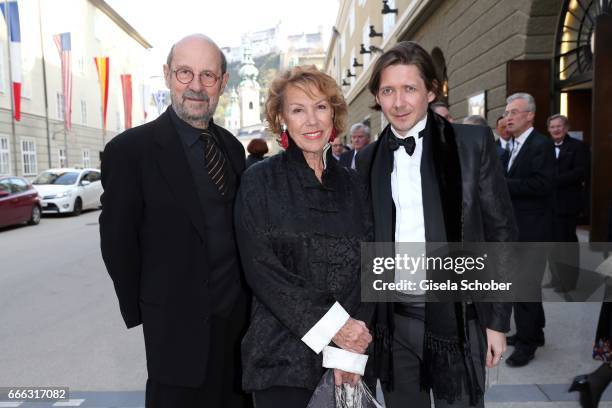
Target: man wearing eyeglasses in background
{"points": [[529, 175], [167, 236]]}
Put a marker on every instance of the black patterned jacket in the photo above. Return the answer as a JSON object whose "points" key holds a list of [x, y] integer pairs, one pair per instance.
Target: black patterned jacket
{"points": [[299, 242]]}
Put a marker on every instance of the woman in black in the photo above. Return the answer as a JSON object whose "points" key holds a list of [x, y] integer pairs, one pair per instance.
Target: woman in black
{"points": [[300, 219]]}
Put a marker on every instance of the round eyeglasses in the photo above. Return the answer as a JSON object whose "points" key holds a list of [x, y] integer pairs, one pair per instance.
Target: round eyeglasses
{"points": [[185, 76]]}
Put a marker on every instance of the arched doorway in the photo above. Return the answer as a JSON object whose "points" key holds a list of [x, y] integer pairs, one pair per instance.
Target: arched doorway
{"points": [[440, 66], [579, 85]]}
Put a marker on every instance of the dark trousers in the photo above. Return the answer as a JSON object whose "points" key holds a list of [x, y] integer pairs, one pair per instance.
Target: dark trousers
{"points": [[529, 316], [223, 375], [564, 259], [407, 358], [530, 321], [282, 397]]}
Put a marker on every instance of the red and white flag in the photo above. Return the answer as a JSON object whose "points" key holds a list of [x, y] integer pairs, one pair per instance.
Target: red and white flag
{"points": [[63, 43], [11, 16]]}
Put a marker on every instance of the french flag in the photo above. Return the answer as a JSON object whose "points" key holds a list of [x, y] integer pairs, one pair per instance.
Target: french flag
{"points": [[11, 16]]}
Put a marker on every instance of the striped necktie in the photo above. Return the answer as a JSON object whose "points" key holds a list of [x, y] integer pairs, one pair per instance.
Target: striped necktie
{"points": [[216, 164]]}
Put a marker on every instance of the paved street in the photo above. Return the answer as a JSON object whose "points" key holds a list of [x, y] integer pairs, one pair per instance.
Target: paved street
{"points": [[60, 326]]}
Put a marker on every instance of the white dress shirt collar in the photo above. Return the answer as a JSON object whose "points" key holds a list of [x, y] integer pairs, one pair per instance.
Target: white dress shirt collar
{"points": [[416, 129], [523, 136]]}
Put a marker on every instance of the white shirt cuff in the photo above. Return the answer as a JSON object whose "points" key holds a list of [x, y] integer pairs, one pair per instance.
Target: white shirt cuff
{"points": [[344, 360], [325, 329]]}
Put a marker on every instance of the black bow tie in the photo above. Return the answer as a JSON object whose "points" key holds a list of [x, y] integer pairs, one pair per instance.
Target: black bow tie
{"points": [[409, 143]]}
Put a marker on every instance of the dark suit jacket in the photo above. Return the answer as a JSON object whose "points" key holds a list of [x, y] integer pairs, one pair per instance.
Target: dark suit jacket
{"points": [[476, 207], [152, 239], [530, 182], [346, 158], [570, 169]]}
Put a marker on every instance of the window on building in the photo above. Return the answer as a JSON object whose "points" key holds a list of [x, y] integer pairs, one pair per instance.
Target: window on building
{"points": [[118, 117], [28, 157], [81, 64], [60, 106], [5, 155], [389, 20], [342, 44], [250, 105], [86, 158], [365, 39], [62, 157], [83, 112], [362, 2]]}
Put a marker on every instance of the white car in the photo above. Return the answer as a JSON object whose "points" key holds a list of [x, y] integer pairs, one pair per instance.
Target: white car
{"points": [[69, 190]]}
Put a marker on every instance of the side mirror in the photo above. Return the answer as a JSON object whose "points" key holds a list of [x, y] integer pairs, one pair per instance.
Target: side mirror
{"points": [[85, 183], [4, 193]]}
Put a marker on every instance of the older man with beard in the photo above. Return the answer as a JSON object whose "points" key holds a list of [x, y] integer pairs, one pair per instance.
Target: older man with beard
{"points": [[167, 237]]}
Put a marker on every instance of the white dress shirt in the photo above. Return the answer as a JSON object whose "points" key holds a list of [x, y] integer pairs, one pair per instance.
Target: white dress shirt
{"points": [[408, 199], [505, 143], [518, 144]]}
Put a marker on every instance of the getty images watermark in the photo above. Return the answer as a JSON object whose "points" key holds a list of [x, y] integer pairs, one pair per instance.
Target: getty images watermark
{"points": [[506, 272]]}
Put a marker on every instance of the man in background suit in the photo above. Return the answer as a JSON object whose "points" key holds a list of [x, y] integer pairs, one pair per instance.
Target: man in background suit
{"points": [[570, 168], [530, 179], [167, 236], [504, 142], [360, 138]]}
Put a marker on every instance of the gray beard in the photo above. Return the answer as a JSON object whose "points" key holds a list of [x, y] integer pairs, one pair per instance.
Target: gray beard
{"points": [[197, 121]]}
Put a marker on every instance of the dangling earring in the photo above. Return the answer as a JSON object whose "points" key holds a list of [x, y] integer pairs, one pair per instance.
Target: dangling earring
{"points": [[284, 137], [332, 135]]}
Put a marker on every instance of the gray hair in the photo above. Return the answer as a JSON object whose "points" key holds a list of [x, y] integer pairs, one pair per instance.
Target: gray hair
{"points": [[360, 126], [221, 54], [438, 104], [475, 120], [531, 106], [558, 116]]}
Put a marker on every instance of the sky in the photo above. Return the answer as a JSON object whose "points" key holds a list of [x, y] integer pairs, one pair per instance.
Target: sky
{"points": [[162, 23]]}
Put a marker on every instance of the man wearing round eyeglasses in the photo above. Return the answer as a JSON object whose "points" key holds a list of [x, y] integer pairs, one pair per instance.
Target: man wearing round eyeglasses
{"points": [[529, 175], [167, 236]]}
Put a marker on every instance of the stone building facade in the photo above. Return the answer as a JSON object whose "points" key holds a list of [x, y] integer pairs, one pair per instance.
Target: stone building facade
{"points": [[485, 50], [39, 140]]}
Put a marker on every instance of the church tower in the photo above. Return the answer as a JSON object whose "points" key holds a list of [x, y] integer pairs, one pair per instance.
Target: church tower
{"points": [[232, 113], [249, 90]]}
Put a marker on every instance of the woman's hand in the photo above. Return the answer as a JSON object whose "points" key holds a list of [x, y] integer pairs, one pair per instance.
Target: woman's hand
{"points": [[344, 377], [496, 346], [353, 336]]}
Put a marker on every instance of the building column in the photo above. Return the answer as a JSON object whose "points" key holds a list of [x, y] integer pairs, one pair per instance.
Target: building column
{"points": [[601, 170]]}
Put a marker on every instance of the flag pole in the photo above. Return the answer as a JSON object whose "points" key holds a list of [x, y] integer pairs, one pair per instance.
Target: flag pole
{"points": [[44, 71], [8, 39]]}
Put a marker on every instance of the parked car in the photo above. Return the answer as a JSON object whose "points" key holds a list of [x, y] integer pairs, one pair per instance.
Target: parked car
{"points": [[69, 190], [19, 202]]}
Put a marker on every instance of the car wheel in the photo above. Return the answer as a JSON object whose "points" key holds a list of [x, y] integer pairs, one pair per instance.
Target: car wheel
{"points": [[78, 206], [35, 217]]}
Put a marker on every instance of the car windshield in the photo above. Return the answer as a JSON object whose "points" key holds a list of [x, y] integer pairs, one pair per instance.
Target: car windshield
{"points": [[62, 179]]}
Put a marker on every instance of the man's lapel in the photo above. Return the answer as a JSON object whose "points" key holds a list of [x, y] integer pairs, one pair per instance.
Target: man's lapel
{"points": [[521, 154], [236, 161], [380, 183], [175, 171], [430, 190]]}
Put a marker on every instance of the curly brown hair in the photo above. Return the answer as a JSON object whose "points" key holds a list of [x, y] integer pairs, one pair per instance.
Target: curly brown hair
{"points": [[305, 78]]}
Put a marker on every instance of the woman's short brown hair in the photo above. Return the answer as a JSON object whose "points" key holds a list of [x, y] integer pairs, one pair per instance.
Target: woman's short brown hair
{"points": [[304, 78], [405, 53], [257, 147]]}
